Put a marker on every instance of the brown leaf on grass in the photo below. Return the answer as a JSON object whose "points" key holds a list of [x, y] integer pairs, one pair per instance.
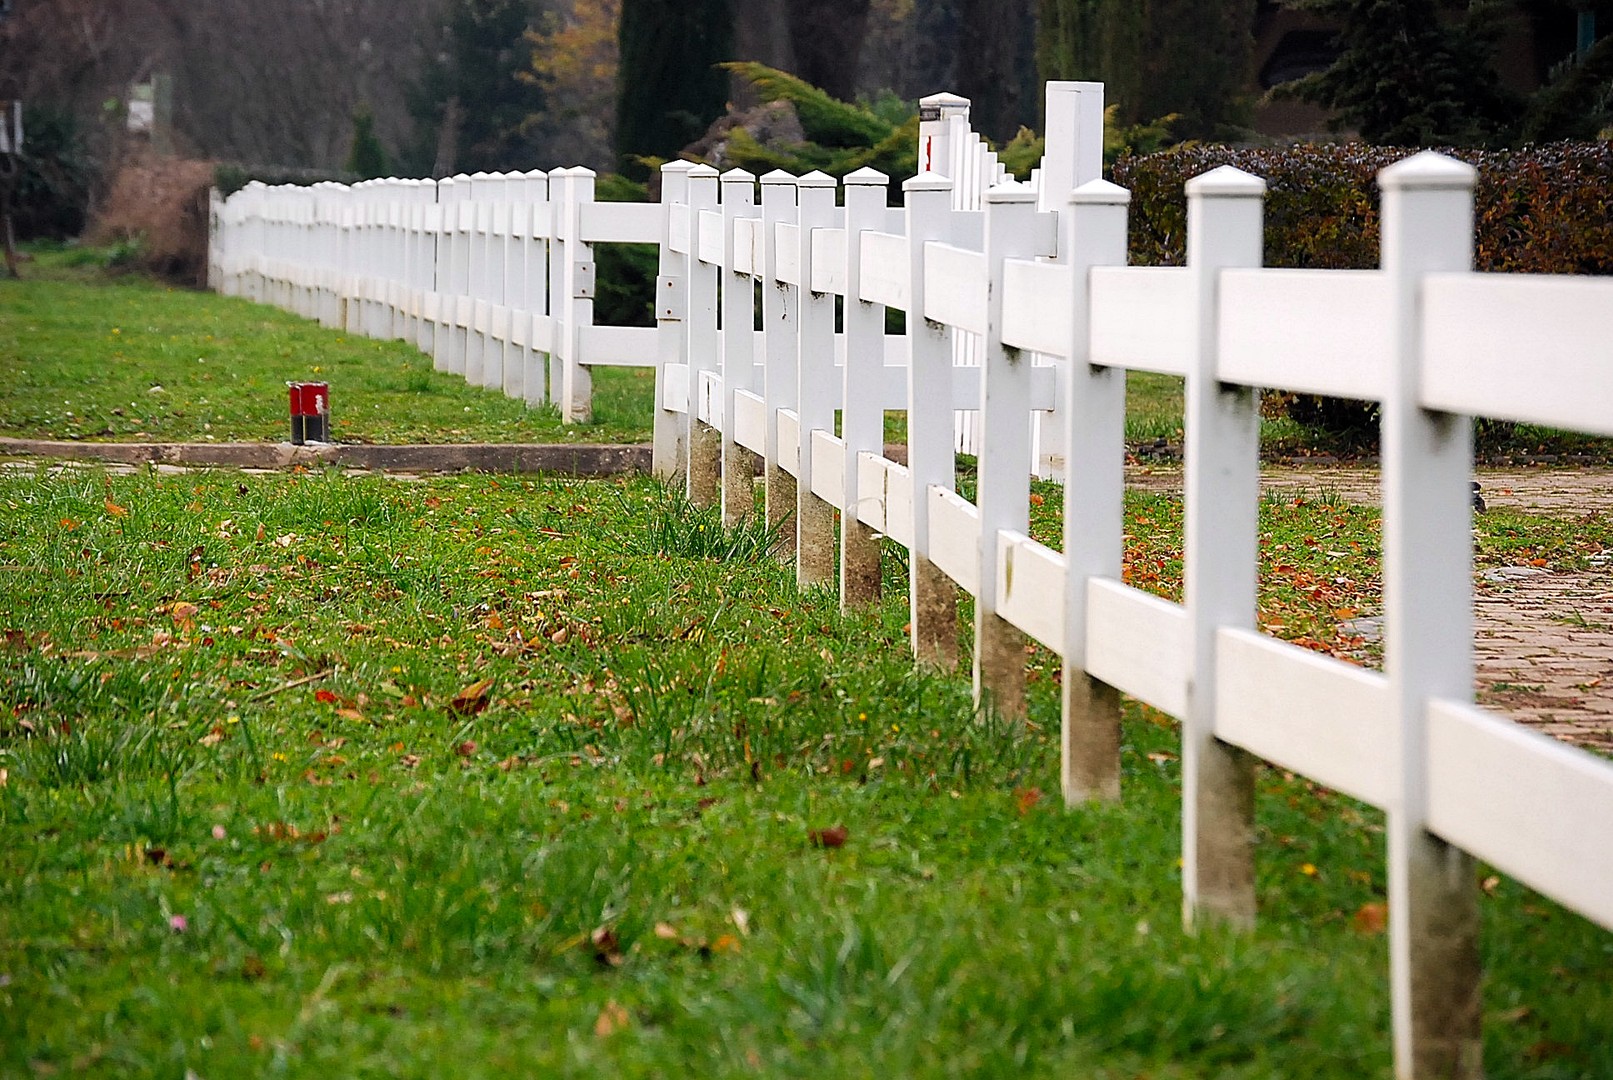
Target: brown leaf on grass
{"points": [[666, 931], [1026, 798], [114, 509], [725, 943], [465, 749], [214, 737], [409, 761], [612, 1018], [472, 699], [607, 946], [1371, 918], [829, 838]]}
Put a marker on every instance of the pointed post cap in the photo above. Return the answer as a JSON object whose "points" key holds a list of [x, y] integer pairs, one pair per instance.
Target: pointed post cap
{"points": [[1100, 193], [867, 176], [581, 172], [816, 179], [1428, 171], [778, 176], [681, 165], [481, 176], [927, 182], [537, 174], [739, 176], [701, 171], [939, 106], [1011, 191], [1226, 182]]}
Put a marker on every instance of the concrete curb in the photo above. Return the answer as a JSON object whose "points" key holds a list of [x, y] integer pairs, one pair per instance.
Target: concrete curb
{"points": [[562, 459]]}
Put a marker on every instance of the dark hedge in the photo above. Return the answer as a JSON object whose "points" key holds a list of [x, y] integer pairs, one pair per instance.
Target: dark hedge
{"points": [[1539, 209]]}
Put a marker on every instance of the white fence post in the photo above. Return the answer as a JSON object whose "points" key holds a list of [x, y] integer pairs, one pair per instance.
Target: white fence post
{"points": [[476, 270], [1002, 492], [1428, 632], [1093, 405], [932, 595], [705, 346], [815, 383], [1222, 554], [781, 306], [862, 410], [670, 445], [738, 346]]}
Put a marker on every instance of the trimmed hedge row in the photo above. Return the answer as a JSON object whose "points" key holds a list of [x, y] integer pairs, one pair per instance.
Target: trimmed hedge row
{"points": [[1539, 209]]}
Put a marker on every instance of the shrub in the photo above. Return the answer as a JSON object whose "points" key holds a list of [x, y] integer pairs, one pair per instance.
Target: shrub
{"points": [[1540, 209]]}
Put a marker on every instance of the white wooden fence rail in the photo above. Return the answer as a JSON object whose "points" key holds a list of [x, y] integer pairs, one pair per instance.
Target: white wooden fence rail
{"points": [[464, 268]]}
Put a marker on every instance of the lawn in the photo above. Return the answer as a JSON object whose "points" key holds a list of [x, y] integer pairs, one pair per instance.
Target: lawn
{"points": [[93, 356], [489, 776]]}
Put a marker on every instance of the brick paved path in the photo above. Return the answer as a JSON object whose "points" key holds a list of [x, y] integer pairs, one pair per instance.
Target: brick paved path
{"points": [[1543, 644]]}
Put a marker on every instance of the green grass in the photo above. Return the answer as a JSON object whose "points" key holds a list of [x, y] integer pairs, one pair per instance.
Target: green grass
{"points": [[231, 700], [88, 356]]}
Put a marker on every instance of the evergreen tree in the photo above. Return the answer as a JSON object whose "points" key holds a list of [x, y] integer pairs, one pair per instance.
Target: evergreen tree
{"points": [[670, 87], [367, 158], [1155, 57], [1407, 76], [471, 101]]}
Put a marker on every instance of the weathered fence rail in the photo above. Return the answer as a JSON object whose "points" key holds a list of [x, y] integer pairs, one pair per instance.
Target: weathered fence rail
{"points": [[493, 288]]}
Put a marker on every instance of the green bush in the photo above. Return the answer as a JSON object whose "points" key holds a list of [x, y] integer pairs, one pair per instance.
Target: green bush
{"points": [[1541, 209]]}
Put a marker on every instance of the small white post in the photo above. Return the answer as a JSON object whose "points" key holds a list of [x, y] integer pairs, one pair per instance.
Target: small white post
{"points": [[670, 447], [1094, 406], [458, 299], [738, 346], [1434, 972], [1003, 492], [780, 313], [1221, 559], [862, 412], [482, 192], [932, 596], [705, 441], [815, 383]]}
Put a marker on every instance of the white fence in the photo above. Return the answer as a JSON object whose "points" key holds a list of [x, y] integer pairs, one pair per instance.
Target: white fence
{"points": [[1432, 341]]}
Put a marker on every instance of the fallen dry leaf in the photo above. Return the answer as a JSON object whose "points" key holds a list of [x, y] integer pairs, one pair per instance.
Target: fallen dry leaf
{"points": [[607, 946], [114, 509], [666, 931], [1371, 918], [465, 749], [829, 838], [612, 1018], [472, 699], [1025, 798]]}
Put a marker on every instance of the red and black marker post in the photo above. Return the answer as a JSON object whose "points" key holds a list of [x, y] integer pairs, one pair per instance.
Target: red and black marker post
{"points": [[310, 412]]}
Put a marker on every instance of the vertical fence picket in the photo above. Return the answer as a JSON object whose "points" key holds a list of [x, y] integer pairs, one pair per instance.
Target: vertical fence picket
{"points": [[862, 412], [1002, 493], [1221, 557], [535, 306], [815, 386], [1094, 410], [780, 342], [738, 346], [670, 437], [1434, 971], [932, 596], [704, 345]]}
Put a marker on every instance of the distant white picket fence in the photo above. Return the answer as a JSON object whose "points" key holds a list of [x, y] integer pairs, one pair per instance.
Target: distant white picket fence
{"points": [[805, 388]]}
